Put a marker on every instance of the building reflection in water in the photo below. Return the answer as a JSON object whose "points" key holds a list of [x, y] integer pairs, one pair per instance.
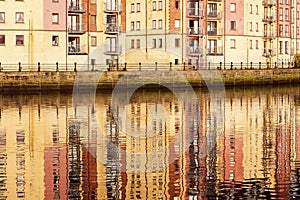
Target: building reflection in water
{"points": [[163, 149]]}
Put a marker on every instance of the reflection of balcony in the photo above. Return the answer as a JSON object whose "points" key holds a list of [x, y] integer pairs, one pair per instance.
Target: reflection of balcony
{"points": [[215, 51], [112, 28], [195, 51], [112, 50], [269, 19], [112, 7], [269, 2], [77, 28], [194, 12], [214, 14], [269, 52], [214, 32], [75, 7], [269, 35], [195, 31], [77, 49]]}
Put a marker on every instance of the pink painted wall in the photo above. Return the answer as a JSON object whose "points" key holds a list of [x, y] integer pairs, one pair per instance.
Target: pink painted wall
{"points": [[55, 7], [237, 16]]}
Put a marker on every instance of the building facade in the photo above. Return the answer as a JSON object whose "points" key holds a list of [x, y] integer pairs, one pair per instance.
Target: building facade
{"points": [[110, 33]]}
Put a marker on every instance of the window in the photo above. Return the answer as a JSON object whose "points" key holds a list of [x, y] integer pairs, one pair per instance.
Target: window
{"points": [[280, 47], [19, 17], [19, 40], [160, 43], [160, 24], [280, 1], [132, 25], [232, 7], [250, 8], [2, 17], [132, 44], [55, 18], [280, 30], [138, 43], [177, 4], [287, 14], [256, 44], [257, 9], [154, 5], [256, 26], [177, 23], [55, 40], [154, 43], [160, 5], [2, 40], [138, 25], [286, 30], [250, 26], [93, 41], [250, 44], [132, 7], [93, 20], [176, 61], [232, 25], [232, 44], [280, 14], [177, 42], [286, 47], [55, 1], [154, 24], [287, 2], [138, 7]]}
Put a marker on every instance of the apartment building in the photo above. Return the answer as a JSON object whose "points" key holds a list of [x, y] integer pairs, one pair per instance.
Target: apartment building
{"points": [[113, 32]]}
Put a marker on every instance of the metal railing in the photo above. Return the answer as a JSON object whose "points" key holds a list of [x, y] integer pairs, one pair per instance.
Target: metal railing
{"points": [[195, 12], [269, 52], [269, 35], [61, 67], [77, 49], [112, 28], [269, 2], [195, 31], [215, 51], [214, 14], [75, 6], [215, 31], [269, 18], [112, 6], [195, 51], [77, 28], [112, 49]]}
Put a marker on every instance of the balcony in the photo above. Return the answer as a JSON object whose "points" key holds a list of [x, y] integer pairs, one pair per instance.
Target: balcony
{"points": [[195, 12], [269, 35], [269, 52], [77, 28], [76, 7], [77, 49], [269, 19], [214, 14], [215, 51], [112, 49], [112, 7], [214, 31], [269, 2], [192, 31], [195, 51], [112, 28]]}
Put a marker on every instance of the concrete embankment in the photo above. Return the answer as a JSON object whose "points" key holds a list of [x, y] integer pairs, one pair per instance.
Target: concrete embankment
{"points": [[28, 81]]}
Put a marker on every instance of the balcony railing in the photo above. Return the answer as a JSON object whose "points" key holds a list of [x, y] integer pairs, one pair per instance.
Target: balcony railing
{"points": [[195, 12], [269, 18], [112, 28], [112, 6], [269, 35], [214, 14], [77, 49], [195, 51], [192, 31], [112, 50], [269, 2], [269, 52], [76, 7], [77, 28], [215, 51], [214, 31]]}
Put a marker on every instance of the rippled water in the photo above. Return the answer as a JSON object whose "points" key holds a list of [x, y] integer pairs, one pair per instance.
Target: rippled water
{"points": [[158, 145]]}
